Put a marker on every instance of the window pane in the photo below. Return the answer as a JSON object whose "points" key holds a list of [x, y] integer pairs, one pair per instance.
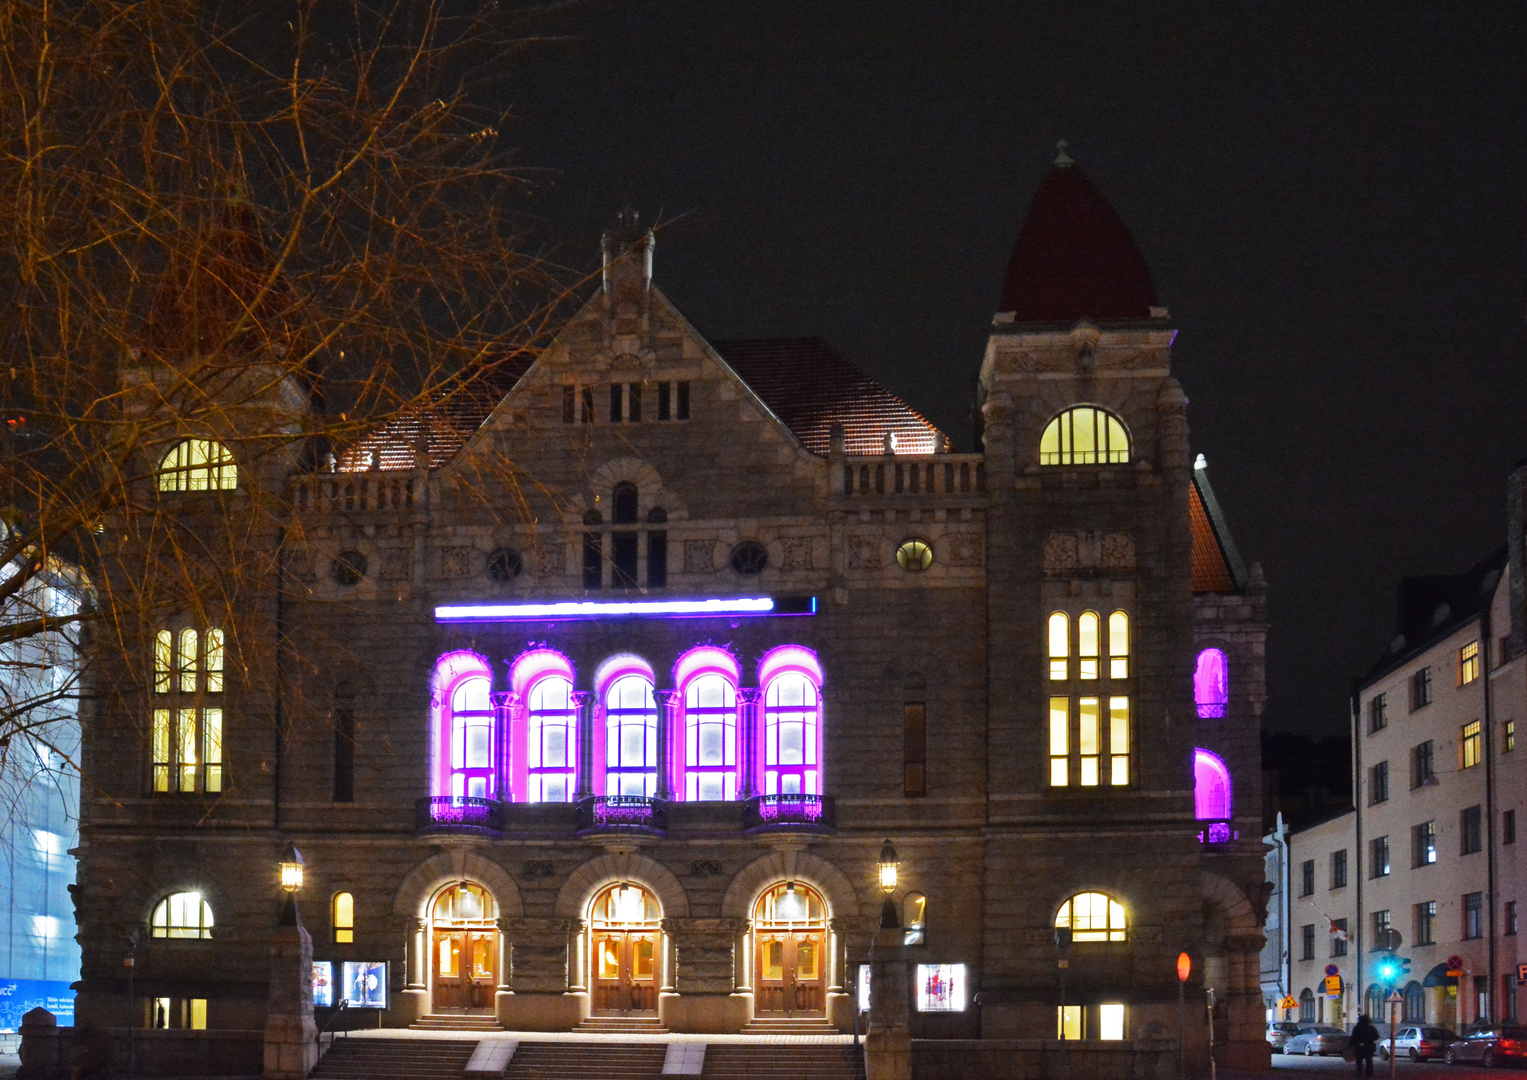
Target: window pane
{"points": [[214, 661], [1087, 645], [1060, 645], [710, 744], [1111, 1021], [1087, 715], [185, 738], [163, 659], [1118, 725], [1118, 646], [1058, 712], [471, 695], [185, 661], [1089, 777], [479, 747]]}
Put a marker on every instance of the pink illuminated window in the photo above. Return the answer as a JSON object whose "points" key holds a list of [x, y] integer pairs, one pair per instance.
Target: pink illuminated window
{"points": [[464, 721], [1211, 684], [792, 711], [710, 738], [551, 736], [630, 724], [1211, 787]]}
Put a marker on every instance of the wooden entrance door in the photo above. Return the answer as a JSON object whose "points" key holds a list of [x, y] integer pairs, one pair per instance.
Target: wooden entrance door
{"points": [[625, 971], [790, 972], [465, 969]]}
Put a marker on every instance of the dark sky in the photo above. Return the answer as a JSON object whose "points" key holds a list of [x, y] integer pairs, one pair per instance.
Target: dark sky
{"points": [[1332, 197]]}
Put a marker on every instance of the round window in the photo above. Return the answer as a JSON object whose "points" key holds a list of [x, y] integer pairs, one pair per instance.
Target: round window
{"points": [[505, 564], [348, 567], [749, 557], [914, 555]]}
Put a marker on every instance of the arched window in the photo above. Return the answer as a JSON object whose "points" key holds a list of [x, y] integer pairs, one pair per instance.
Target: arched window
{"points": [[551, 736], [465, 757], [1212, 793], [1093, 916], [1118, 645], [343, 918], [182, 915], [1060, 646], [623, 504], [1084, 435], [1413, 1006], [1373, 1002], [1087, 645], [1211, 684], [710, 738], [198, 465], [1306, 1006], [630, 724], [792, 710]]}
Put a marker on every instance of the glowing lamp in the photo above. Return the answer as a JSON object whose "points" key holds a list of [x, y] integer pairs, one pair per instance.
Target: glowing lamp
{"points": [[790, 907], [889, 869], [1184, 967], [291, 870]]}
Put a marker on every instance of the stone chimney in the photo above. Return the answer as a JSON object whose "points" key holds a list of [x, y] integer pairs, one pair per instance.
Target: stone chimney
{"points": [[627, 252]]}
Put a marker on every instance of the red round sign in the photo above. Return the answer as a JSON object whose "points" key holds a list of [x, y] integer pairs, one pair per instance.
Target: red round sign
{"points": [[1184, 967]]}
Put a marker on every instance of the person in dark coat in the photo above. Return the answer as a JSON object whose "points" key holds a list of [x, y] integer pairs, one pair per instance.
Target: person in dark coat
{"points": [[1365, 1040]]}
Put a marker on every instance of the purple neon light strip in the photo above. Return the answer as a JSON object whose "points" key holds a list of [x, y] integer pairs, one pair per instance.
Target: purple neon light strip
{"points": [[596, 609]]}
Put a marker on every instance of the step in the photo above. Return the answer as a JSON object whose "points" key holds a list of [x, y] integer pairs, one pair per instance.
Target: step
{"points": [[587, 1061], [395, 1059], [782, 1061]]}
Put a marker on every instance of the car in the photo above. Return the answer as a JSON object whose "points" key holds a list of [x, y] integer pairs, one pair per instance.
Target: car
{"points": [[1487, 1044], [1318, 1039], [1279, 1032], [1417, 1043]]}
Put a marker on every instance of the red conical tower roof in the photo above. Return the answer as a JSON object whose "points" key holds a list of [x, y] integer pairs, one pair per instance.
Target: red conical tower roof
{"points": [[1074, 259]]}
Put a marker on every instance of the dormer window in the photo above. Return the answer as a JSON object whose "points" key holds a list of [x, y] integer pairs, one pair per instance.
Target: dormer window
{"points": [[1084, 435], [198, 465]]}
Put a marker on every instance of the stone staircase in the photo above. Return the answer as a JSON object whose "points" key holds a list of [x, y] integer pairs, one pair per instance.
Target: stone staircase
{"points": [[622, 1025], [789, 1025], [456, 1022], [395, 1059], [782, 1061], [587, 1061]]}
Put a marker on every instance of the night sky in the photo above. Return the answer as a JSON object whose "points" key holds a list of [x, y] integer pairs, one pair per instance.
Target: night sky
{"points": [[1332, 198]]}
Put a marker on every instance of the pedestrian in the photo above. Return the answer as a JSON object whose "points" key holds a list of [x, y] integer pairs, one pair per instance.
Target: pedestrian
{"points": [[1365, 1040]]}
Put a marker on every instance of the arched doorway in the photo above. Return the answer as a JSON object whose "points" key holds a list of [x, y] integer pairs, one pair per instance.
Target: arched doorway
{"points": [[464, 936], [790, 950], [624, 926]]}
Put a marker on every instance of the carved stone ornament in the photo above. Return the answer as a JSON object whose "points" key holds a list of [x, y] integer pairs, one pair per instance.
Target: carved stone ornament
{"points": [[699, 556], [797, 552], [552, 559], [457, 562], [863, 553], [1088, 550], [1116, 551], [964, 549], [1062, 552], [394, 562]]}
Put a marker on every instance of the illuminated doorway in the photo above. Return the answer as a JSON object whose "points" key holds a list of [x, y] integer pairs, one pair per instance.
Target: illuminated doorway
{"points": [[464, 929], [790, 936], [624, 937]]}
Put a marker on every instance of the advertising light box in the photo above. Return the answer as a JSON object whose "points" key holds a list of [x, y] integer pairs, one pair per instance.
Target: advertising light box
{"points": [[365, 985], [940, 987], [323, 984]]}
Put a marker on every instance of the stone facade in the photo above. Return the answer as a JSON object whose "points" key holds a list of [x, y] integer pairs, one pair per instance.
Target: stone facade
{"points": [[995, 849]]}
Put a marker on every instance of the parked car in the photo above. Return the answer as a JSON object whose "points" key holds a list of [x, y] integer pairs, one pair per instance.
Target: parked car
{"points": [[1279, 1032], [1417, 1043], [1318, 1039], [1487, 1044]]}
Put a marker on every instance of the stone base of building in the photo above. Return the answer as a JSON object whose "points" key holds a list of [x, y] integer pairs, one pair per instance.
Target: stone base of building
{"points": [[66, 1052], [705, 1014]]}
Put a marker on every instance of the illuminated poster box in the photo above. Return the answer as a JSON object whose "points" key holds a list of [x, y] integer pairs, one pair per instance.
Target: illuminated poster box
{"points": [[323, 984], [365, 984], [940, 987]]}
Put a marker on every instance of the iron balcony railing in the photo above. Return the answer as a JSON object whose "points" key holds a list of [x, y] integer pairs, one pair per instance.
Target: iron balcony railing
{"points": [[814, 812], [622, 813], [459, 813], [1217, 832]]}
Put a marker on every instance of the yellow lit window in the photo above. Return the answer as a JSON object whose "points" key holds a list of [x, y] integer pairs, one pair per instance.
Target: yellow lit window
{"points": [[198, 465], [1087, 645], [1468, 663], [185, 661], [214, 661], [185, 748], [1087, 740], [1093, 916], [1118, 740], [186, 742], [1059, 743], [1068, 1022], [182, 915], [1469, 744], [344, 918], [1085, 435], [161, 749], [1118, 645], [164, 652], [196, 1014], [212, 747], [1060, 646], [1508, 736], [1111, 1021]]}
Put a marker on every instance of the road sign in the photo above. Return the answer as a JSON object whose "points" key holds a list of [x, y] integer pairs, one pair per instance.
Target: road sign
{"points": [[1332, 969], [1455, 966], [1395, 996], [1333, 985], [1289, 1003]]}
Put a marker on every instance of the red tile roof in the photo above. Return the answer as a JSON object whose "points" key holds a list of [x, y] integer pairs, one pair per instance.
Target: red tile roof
{"points": [[1211, 570], [1074, 259], [809, 386]]}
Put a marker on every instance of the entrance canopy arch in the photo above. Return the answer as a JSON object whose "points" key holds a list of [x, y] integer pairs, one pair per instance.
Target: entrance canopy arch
{"points": [[464, 950], [425, 881], [790, 960], [625, 935], [777, 868]]}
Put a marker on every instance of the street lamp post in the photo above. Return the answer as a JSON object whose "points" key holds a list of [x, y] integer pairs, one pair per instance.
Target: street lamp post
{"points": [[890, 869], [1184, 969], [291, 1052], [1063, 936]]}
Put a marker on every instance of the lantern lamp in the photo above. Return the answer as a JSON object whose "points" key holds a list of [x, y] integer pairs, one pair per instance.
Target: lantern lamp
{"points": [[1184, 967], [291, 870], [889, 869]]}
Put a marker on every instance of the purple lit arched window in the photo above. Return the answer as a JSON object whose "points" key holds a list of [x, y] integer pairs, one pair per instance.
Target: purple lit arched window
{"points": [[1211, 787], [1211, 684]]}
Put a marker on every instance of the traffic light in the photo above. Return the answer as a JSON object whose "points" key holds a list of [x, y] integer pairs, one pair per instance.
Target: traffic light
{"points": [[1389, 969], [1404, 962]]}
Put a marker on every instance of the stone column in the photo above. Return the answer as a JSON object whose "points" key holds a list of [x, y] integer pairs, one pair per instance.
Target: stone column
{"points": [[888, 1045], [584, 701], [415, 996], [546, 989], [667, 715], [699, 995], [747, 729], [505, 973], [291, 1050]]}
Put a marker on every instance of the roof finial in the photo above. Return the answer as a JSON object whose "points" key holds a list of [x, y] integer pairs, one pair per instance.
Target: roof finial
{"points": [[1062, 159]]}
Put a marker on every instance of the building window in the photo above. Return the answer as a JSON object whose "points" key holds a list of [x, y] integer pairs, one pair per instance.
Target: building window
{"points": [[1378, 783], [551, 739], [1473, 915], [1426, 923], [1424, 844], [1093, 916], [1468, 663], [1508, 827], [1413, 1009], [1212, 795], [186, 737], [1379, 858], [1211, 684], [1508, 997], [198, 465], [1468, 744], [1118, 647], [1378, 713], [1089, 735], [1421, 689], [914, 748], [586, 400], [1307, 941], [1470, 831], [630, 745], [471, 712], [1380, 929], [914, 556], [624, 554], [1060, 646], [1421, 765], [1338, 937], [344, 746], [342, 913], [593, 552], [182, 915], [1509, 918], [792, 729], [1307, 878], [1339, 869], [569, 404], [1084, 435], [710, 738], [1508, 736], [1307, 1002], [657, 549]]}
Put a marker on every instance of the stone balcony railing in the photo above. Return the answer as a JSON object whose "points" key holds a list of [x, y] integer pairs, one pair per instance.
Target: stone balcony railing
{"points": [[1217, 832], [459, 813], [606, 815], [354, 492], [919, 474]]}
